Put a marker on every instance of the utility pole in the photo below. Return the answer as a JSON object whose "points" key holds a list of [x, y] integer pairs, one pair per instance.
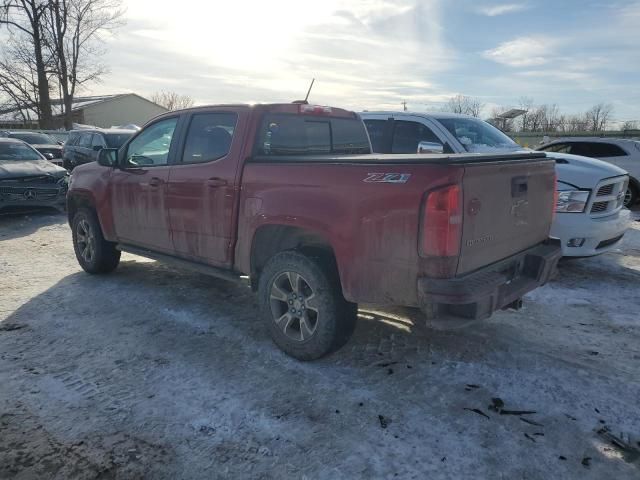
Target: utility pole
{"points": [[404, 105]]}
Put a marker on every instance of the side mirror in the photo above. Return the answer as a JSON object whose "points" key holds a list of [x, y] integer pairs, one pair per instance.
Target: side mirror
{"points": [[48, 156], [97, 148], [108, 157], [430, 147]]}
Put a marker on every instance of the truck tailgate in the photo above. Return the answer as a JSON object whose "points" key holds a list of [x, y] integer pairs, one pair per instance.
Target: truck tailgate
{"points": [[508, 208]]}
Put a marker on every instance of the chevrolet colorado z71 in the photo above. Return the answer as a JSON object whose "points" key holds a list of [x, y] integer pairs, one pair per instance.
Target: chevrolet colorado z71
{"points": [[290, 196]]}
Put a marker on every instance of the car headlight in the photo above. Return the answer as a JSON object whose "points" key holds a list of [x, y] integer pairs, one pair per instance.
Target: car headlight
{"points": [[63, 181], [572, 201]]}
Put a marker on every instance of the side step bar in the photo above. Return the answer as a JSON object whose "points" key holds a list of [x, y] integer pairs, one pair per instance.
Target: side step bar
{"points": [[229, 275]]}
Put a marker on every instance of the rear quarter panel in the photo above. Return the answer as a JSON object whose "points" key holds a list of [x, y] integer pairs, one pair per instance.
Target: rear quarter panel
{"points": [[372, 227]]}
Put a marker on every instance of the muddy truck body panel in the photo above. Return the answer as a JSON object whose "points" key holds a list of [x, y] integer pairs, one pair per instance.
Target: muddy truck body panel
{"points": [[370, 210]]}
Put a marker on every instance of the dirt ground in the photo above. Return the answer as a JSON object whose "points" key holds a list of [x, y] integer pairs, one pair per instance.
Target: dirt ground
{"points": [[154, 372]]}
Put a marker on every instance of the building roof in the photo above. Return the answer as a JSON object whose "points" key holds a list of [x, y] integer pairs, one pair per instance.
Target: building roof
{"points": [[12, 115]]}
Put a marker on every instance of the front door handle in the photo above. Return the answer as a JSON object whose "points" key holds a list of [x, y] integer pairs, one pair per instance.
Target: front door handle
{"points": [[155, 182], [216, 182]]}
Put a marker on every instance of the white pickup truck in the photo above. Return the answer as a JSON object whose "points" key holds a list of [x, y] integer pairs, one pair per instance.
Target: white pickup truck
{"points": [[590, 216]]}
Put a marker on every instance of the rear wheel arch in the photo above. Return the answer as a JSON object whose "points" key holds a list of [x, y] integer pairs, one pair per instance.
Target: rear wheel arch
{"points": [[269, 240]]}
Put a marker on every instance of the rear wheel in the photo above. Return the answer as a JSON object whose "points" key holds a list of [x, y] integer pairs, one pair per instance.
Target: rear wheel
{"points": [[94, 253], [303, 306]]}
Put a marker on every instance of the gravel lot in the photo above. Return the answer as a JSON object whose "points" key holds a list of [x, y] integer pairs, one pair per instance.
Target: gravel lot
{"points": [[154, 372]]}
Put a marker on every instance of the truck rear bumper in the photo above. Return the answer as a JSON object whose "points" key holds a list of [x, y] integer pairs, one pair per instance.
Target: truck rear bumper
{"points": [[479, 294]]}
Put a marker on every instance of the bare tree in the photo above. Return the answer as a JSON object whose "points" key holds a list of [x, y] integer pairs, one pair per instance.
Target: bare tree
{"points": [[573, 123], [599, 116], [524, 120], [551, 117], [543, 118], [630, 125], [172, 100], [18, 78], [25, 19], [74, 29], [465, 105]]}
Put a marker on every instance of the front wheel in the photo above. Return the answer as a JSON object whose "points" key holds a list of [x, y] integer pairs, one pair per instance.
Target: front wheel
{"points": [[303, 306], [94, 253], [631, 196]]}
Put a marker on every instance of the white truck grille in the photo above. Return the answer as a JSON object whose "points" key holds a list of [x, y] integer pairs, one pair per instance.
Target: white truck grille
{"points": [[609, 196]]}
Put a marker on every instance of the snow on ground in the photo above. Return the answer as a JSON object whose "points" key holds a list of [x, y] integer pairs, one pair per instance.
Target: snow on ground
{"points": [[155, 372]]}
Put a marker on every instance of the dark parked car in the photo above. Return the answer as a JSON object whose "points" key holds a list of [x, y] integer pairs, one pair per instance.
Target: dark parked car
{"points": [[45, 144], [83, 145], [27, 179]]}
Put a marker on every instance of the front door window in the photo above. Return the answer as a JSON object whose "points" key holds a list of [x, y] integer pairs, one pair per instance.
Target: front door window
{"points": [[152, 146]]}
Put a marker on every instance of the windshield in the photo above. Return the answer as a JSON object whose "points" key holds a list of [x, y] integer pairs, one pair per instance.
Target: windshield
{"points": [[478, 136], [34, 138], [116, 140], [17, 151]]}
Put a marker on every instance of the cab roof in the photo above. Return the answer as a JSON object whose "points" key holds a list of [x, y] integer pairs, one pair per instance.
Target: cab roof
{"points": [[291, 108]]}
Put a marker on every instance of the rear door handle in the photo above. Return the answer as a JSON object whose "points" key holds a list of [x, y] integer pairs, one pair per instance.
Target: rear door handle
{"points": [[155, 182], [216, 182]]}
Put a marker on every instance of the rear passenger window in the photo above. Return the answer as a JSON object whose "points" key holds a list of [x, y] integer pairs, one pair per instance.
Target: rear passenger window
{"points": [[85, 140], [287, 134], [98, 141], [597, 149], [376, 129], [209, 137], [407, 136], [559, 147]]}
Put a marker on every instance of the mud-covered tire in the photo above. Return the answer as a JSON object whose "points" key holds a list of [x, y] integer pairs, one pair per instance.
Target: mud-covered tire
{"points": [[323, 320], [94, 253]]}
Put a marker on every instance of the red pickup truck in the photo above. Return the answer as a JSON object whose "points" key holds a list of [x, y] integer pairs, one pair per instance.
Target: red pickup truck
{"points": [[290, 196]]}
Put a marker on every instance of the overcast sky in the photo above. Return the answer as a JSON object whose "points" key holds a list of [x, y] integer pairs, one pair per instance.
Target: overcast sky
{"points": [[370, 54]]}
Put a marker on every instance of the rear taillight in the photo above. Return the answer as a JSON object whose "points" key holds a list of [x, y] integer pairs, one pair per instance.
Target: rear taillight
{"points": [[442, 222]]}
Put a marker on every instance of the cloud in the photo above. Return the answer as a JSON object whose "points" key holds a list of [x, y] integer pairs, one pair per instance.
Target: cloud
{"points": [[363, 53], [522, 52], [502, 9]]}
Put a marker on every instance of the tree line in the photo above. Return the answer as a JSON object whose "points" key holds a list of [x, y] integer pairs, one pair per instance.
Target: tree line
{"points": [[51, 48], [541, 118]]}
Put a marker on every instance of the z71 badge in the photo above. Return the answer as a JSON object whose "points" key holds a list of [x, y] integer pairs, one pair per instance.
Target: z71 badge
{"points": [[387, 178]]}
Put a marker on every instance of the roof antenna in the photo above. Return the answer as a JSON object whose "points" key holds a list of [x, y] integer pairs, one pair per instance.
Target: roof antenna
{"points": [[305, 101]]}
